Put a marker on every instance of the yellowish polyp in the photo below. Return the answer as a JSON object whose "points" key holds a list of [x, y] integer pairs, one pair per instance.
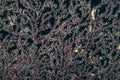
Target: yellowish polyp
{"points": [[118, 47], [76, 50], [93, 14]]}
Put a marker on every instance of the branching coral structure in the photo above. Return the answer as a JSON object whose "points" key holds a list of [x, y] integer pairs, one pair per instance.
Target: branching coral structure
{"points": [[59, 39]]}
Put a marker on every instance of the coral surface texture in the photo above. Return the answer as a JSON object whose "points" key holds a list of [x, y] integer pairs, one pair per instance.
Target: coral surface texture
{"points": [[59, 39]]}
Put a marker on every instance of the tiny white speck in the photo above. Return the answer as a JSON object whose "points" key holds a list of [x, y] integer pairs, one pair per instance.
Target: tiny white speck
{"points": [[100, 57]]}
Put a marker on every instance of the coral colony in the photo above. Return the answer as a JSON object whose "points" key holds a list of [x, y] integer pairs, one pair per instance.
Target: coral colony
{"points": [[59, 39]]}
